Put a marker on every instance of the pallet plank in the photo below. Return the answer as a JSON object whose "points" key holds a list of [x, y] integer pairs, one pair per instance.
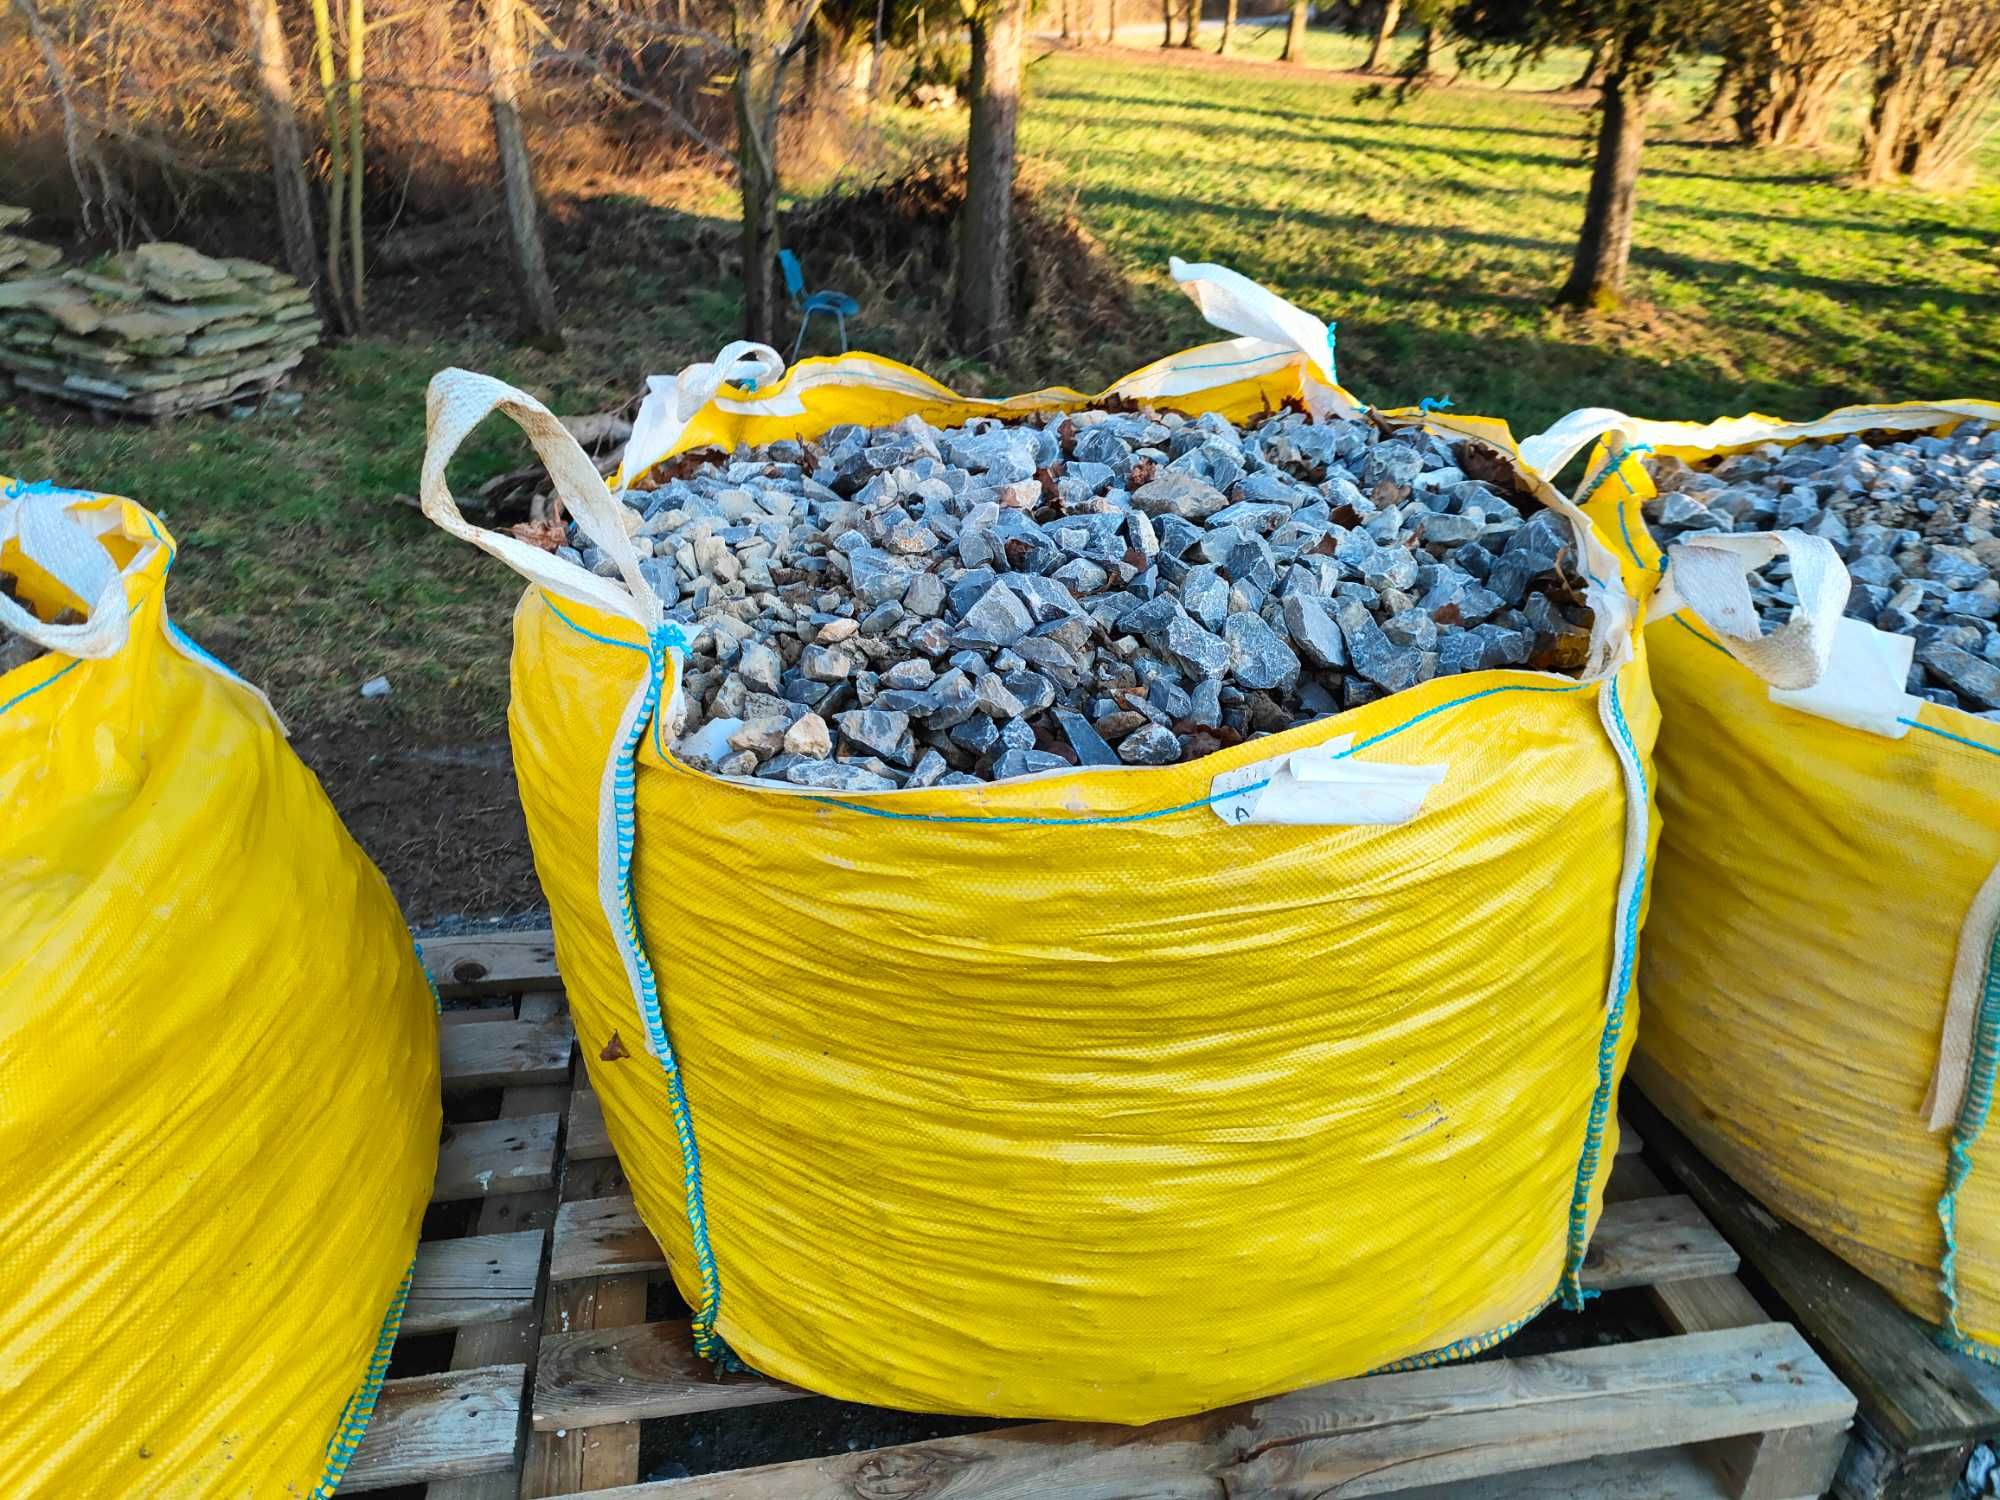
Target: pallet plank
{"points": [[518, 1339], [496, 1156], [434, 1426], [485, 1278], [503, 1054], [492, 962], [588, 1139], [1646, 1241], [603, 1237], [600, 1375], [1919, 1395], [599, 1457], [1370, 1436]]}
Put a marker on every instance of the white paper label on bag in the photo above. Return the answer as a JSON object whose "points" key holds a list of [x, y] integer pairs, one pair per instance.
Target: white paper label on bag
{"points": [[1317, 787], [1863, 685]]}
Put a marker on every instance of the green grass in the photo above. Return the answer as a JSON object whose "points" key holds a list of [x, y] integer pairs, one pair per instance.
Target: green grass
{"points": [[1432, 232]]}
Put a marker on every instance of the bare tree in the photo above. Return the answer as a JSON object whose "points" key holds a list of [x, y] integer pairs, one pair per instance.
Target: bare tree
{"points": [[357, 33], [1228, 28], [98, 191], [524, 230], [1936, 73], [271, 75], [765, 34], [1295, 33], [335, 292], [1791, 59], [1385, 32], [1167, 17], [1191, 20], [982, 304]]}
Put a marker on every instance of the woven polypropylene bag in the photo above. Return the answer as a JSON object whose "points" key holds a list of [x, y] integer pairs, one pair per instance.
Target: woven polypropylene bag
{"points": [[1067, 1097], [218, 1056], [1820, 971]]}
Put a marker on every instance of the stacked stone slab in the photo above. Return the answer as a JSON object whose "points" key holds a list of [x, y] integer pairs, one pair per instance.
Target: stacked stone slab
{"points": [[155, 330], [19, 255]]}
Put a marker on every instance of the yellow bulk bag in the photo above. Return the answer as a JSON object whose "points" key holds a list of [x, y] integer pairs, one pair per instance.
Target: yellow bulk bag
{"points": [[218, 1055], [1820, 971], [1077, 1095]]}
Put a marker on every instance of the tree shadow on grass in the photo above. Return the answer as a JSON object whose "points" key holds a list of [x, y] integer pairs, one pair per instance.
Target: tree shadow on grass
{"points": [[1344, 228]]}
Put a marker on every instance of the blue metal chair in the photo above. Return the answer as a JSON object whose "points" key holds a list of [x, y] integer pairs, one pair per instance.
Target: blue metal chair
{"points": [[838, 304]]}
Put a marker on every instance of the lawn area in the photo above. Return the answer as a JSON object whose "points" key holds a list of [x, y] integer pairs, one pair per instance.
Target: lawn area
{"points": [[1433, 232]]}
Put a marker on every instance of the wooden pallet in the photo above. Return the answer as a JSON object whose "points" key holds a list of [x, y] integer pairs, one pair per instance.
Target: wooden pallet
{"points": [[548, 1385], [1921, 1407]]}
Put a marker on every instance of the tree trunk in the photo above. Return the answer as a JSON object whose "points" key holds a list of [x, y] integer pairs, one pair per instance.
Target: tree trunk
{"points": [[531, 272], [357, 29], [1167, 15], [1427, 50], [1110, 22], [1597, 277], [336, 170], [1295, 34], [982, 306], [1228, 28], [271, 75], [1385, 31], [1721, 102], [757, 175], [1192, 17], [1064, 6], [1592, 76], [1936, 76]]}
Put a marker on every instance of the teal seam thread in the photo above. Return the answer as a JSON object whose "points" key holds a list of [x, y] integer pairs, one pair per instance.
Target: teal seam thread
{"points": [[1946, 734], [1162, 812], [1972, 1114], [1462, 1348], [676, 638], [1614, 465], [624, 796], [361, 1405], [1571, 1289], [50, 681], [624, 801]]}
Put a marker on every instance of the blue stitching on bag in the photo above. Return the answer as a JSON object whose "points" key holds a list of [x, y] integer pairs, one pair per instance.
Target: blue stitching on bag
{"points": [[1461, 1348], [361, 1405], [53, 678], [1946, 734], [624, 796], [1571, 1288], [593, 635], [1615, 465], [1972, 1114], [624, 799]]}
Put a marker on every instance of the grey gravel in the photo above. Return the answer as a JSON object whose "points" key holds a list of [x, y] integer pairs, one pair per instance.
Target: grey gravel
{"points": [[915, 607], [15, 650], [1916, 520]]}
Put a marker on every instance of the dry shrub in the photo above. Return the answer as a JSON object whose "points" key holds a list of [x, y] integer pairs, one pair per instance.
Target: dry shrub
{"points": [[891, 243]]}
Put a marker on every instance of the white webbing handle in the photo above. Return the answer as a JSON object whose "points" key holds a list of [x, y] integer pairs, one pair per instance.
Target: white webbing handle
{"points": [[457, 402], [51, 538], [1236, 304], [1710, 575], [671, 401]]}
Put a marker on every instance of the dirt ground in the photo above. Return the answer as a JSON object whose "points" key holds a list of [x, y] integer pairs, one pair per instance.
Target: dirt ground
{"points": [[442, 822]]}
